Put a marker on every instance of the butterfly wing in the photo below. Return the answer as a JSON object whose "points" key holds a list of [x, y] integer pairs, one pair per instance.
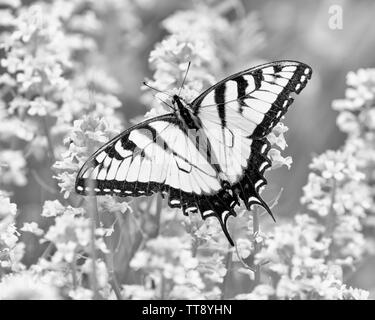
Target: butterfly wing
{"points": [[158, 155], [237, 114]]}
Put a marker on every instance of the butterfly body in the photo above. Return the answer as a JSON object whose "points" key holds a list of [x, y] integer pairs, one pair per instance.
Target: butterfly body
{"points": [[208, 154], [184, 113]]}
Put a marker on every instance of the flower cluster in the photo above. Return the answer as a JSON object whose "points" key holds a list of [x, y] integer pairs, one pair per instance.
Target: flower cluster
{"points": [[176, 274], [44, 90], [309, 258], [296, 255], [357, 119], [11, 251]]}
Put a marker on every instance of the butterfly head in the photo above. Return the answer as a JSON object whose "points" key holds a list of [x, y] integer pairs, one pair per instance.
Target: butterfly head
{"points": [[184, 111], [178, 103], [176, 99]]}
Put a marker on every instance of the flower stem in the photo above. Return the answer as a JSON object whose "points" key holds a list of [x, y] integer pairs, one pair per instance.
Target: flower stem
{"points": [[93, 211], [49, 140], [256, 228], [112, 276], [73, 267], [228, 267]]}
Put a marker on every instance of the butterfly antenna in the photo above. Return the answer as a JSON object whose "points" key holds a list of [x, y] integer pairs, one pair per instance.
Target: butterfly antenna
{"points": [[157, 90], [169, 106], [183, 81]]}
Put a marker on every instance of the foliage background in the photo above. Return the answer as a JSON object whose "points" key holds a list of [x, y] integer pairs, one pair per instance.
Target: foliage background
{"points": [[85, 61]]}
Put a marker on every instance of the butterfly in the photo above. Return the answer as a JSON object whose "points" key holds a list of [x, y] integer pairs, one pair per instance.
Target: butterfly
{"points": [[207, 155]]}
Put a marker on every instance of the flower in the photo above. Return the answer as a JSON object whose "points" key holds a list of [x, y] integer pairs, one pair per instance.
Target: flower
{"points": [[13, 166], [52, 208], [6, 207], [32, 227], [25, 286]]}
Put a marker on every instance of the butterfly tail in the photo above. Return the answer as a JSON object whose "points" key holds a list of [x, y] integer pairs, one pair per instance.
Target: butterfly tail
{"points": [[249, 187]]}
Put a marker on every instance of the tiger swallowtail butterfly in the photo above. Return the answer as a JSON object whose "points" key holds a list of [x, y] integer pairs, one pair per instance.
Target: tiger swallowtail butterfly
{"points": [[206, 155]]}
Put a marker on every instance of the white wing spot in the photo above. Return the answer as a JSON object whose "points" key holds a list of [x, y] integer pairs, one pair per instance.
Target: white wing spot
{"points": [[253, 199], [224, 215], [261, 189], [88, 172], [258, 183], [121, 151], [100, 157], [269, 70], [262, 166], [206, 213], [250, 83], [290, 68], [231, 90]]}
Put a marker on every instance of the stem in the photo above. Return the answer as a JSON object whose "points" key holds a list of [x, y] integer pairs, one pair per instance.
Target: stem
{"points": [[93, 210], [74, 271], [47, 251], [162, 288], [244, 264], [112, 276], [159, 203], [256, 228], [49, 140], [228, 266], [110, 266], [43, 184], [331, 212], [194, 246]]}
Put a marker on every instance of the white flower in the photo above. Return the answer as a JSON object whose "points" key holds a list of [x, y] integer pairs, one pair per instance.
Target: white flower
{"points": [[278, 160], [137, 292], [33, 228], [25, 286], [6, 207], [81, 294], [13, 166], [52, 208]]}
